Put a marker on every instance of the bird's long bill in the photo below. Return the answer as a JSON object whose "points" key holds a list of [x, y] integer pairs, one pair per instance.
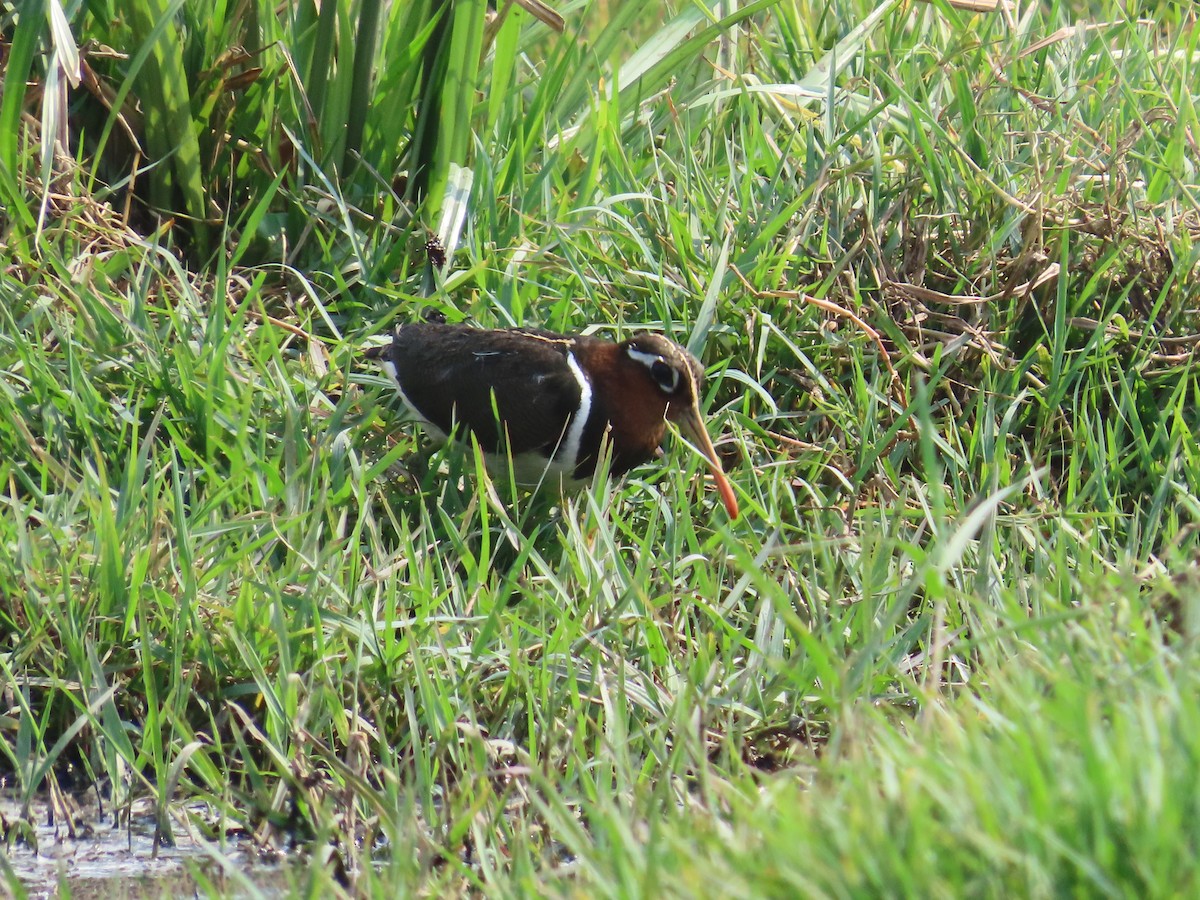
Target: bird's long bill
{"points": [[692, 425]]}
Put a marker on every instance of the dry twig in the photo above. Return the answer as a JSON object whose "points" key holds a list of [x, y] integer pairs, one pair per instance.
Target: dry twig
{"points": [[831, 307]]}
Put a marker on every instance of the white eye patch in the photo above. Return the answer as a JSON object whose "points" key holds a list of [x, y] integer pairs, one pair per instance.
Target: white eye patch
{"points": [[665, 375]]}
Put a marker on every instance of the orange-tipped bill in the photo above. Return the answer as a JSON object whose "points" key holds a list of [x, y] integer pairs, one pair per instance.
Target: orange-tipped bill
{"points": [[692, 426]]}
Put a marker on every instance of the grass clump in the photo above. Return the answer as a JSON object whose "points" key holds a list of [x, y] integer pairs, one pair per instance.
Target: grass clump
{"points": [[947, 649]]}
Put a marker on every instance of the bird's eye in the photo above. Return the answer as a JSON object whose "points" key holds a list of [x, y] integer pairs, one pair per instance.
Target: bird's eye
{"points": [[666, 376]]}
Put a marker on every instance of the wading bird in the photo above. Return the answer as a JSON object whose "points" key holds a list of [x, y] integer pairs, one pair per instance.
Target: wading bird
{"points": [[552, 401]]}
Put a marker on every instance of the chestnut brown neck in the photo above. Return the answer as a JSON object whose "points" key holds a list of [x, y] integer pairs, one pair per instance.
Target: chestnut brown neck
{"points": [[635, 408]]}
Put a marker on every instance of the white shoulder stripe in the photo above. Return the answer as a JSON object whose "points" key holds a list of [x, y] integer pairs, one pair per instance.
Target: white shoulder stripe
{"points": [[570, 446]]}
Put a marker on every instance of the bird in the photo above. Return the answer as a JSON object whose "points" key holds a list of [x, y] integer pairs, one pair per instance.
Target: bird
{"points": [[552, 403]]}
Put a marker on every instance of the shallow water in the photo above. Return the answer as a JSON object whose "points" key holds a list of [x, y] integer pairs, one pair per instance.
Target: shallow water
{"points": [[103, 861]]}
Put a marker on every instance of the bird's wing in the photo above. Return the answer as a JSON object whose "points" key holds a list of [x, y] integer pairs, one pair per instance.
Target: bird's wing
{"points": [[516, 383]]}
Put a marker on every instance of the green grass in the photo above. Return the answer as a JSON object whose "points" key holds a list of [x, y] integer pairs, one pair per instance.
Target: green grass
{"points": [[947, 650]]}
